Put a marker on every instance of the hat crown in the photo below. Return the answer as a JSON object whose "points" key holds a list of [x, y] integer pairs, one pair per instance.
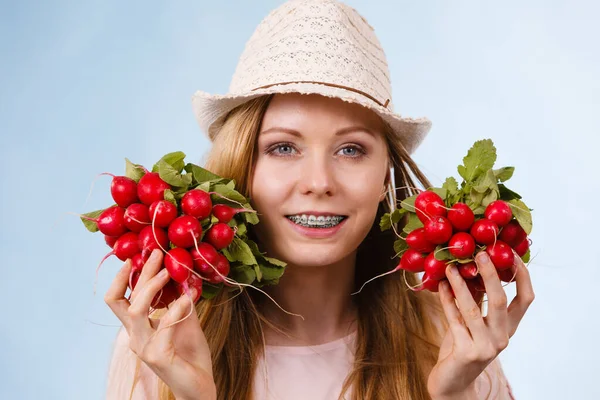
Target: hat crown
{"points": [[321, 41]]}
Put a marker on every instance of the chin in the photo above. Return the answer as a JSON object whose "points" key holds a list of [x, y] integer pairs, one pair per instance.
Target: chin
{"points": [[315, 255]]}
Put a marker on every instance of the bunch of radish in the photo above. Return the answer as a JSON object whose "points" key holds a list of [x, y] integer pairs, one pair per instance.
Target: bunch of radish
{"points": [[451, 224], [196, 218]]}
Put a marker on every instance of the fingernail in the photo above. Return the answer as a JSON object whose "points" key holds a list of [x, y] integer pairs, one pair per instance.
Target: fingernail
{"points": [[483, 257], [154, 255], [163, 273], [454, 270]]}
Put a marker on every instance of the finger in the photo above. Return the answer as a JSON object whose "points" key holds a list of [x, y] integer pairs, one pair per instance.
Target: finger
{"points": [[497, 316], [469, 310], [115, 295], [455, 321], [525, 296], [140, 306], [182, 308], [150, 268]]}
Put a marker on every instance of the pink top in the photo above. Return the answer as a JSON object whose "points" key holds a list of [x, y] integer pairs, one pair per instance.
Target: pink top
{"points": [[289, 373]]}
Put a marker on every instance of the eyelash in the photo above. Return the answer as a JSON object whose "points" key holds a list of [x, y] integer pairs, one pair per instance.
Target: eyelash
{"points": [[271, 150]]}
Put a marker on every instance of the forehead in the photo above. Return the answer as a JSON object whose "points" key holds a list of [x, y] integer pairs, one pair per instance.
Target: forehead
{"points": [[299, 110]]}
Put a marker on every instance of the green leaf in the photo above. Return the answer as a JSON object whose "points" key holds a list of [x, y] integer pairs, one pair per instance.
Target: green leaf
{"points": [[442, 192], [172, 176], [270, 271], [413, 223], [503, 174], [243, 274], [464, 260], [134, 171], [204, 186], [385, 222], [400, 246], [486, 182], [409, 203], [258, 272], [210, 290], [522, 213], [480, 158], [231, 184], [241, 229], [397, 215], [506, 194], [174, 160], [91, 225], [227, 195], [250, 217], [451, 186], [475, 199], [202, 175], [170, 197], [254, 248], [492, 195], [442, 255], [527, 256], [275, 262], [238, 250]]}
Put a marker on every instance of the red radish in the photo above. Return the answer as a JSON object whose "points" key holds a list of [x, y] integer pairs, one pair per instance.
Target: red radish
{"points": [[461, 217], [126, 246], [110, 222], [220, 235], [193, 282], [166, 296], [183, 230], [416, 240], [499, 212], [148, 242], [196, 203], [179, 263], [163, 212], [151, 188], [512, 233], [521, 248], [507, 275], [468, 270], [461, 245], [435, 268], [438, 230], [429, 284], [205, 253], [412, 261], [501, 255], [476, 287], [123, 190], [222, 267], [428, 205], [110, 240], [137, 262], [484, 231], [225, 213], [136, 217]]}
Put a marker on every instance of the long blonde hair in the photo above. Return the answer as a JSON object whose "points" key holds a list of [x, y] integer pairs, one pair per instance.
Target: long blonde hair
{"points": [[397, 340]]}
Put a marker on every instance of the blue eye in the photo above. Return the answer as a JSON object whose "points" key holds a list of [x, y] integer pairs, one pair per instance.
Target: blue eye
{"points": [[284, 149], [352, 151]]}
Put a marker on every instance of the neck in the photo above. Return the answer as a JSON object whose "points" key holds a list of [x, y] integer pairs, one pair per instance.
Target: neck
{"points": [[322, 295]]}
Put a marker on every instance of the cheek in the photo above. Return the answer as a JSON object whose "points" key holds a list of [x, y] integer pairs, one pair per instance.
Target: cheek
{"points": [[269, 187]]}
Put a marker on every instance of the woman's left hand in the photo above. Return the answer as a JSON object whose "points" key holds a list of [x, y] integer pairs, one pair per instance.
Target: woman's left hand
{"points": [[474, 341]]}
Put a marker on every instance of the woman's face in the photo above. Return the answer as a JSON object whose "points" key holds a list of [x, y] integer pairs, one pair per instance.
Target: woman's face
{"points": [[320, 173]]}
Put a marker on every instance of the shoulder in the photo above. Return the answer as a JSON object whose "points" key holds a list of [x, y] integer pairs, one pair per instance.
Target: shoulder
{"points": [[124, 366]]}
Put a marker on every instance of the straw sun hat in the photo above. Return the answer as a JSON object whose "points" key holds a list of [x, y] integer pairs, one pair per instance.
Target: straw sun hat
{"points": [[312, 47]]}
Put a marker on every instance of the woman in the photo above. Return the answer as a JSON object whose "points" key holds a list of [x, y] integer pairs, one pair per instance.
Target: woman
{"points": [[308, 130]]}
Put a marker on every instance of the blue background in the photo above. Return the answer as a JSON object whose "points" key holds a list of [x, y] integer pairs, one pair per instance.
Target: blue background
{"points": [[85, 84]]}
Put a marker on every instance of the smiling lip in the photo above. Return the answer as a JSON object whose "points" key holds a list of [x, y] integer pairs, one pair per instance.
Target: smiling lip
{"points": [[317, 233], [318, 214]]}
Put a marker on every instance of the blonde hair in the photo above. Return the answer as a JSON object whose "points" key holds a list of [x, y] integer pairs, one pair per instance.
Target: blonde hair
{"points": [[397, 339]]}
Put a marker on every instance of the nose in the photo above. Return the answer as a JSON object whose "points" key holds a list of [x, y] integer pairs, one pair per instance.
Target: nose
{"points": [[317, 177]]}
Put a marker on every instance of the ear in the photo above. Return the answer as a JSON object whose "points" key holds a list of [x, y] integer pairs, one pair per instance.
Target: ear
{"points": [[386, 183]]}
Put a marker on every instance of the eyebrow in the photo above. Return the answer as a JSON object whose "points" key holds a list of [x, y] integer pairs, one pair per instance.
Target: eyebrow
{"points": [[343, 131]]}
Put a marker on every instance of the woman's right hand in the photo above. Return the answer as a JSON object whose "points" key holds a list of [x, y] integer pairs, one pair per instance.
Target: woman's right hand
{"points": [[179, 354]]}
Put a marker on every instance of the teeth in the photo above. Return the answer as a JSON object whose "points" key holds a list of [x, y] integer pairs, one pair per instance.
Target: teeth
{"points": [[314, 221]]}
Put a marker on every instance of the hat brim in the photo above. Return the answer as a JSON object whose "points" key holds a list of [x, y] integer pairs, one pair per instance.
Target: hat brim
{"points": [[211, 110]]}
